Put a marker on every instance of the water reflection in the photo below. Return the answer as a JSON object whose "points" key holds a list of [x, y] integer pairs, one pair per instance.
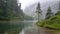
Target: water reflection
{"points": [[11, 27], [31, 28], [22, 32], [23, 27]]}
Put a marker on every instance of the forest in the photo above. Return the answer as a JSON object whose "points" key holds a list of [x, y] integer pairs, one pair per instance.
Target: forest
{"points": [[51, 21], [11, 11], [12, 18]]}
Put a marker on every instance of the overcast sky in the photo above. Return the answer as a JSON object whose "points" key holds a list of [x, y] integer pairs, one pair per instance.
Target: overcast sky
{"points": [[26, 3]]}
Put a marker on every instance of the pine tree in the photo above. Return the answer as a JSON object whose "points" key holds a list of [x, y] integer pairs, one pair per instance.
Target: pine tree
{"points": [[3, 6], [38, 10], [49, 13], [5, 10], [59, 7], [20, 12], [58, 12], [9, 9]]}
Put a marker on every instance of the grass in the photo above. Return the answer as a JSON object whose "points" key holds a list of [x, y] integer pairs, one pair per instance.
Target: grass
{"points": [[52, 23]]}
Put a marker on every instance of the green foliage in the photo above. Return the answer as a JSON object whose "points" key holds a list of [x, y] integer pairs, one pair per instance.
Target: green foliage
{"points": [[52, 23], [5, 11], [41, 23], [26, 17], [58, 13], [49, 13], [7, 8]]}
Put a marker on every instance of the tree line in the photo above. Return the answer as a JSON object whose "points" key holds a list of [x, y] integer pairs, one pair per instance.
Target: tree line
{"points": [[9, 9], [51, 21], [49, 12]]}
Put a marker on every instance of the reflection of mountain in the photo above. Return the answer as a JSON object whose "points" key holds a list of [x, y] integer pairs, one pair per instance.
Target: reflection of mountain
{"points": [[53, 4]]}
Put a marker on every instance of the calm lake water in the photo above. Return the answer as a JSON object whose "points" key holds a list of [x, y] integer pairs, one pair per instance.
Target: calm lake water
{"points": [[27, 27], [31, 28], [29, 24]]}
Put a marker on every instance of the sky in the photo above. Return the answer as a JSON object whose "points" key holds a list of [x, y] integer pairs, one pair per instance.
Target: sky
{"points": [[26, 3]]}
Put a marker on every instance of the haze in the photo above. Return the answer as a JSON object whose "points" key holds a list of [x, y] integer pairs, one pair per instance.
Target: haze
{"points": [[26, 3]]}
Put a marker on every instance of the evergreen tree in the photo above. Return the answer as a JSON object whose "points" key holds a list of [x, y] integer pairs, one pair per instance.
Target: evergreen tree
{"points": [[20, 12], [5, 10], [9, 9], [58, 12], [17, 11], [59, 5], [38, 10], [6, 13], [49, 13]]}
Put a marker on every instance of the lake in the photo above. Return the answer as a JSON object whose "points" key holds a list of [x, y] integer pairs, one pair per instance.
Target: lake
{"points": [[26, 27], [31, 28]]}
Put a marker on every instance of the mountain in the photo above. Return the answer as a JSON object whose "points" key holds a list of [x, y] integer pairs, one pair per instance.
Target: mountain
{"points": [[30, 10]]}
